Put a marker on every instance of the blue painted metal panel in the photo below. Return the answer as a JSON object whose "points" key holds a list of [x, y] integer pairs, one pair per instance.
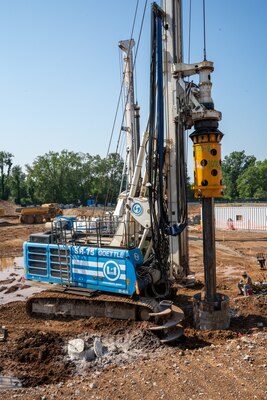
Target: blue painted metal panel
{"points": [[47, 263], [107, 269], [112, 267], [84, 265]]}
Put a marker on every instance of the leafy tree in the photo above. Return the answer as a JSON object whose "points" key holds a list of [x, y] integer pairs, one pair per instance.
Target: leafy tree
{"points": [[54, 177], [233, 166], [17, 184], [97, 176], [107, 178], [114, 168], [5, 168], [86, 177], [69, 177], [252, 184]]}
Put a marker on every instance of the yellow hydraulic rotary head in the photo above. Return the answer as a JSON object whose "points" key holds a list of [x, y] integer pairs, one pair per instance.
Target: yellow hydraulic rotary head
{"points": [[207, 159]]}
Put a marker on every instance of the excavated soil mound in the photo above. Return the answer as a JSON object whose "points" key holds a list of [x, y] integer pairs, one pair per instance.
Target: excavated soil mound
{"points": [[144, 340], [10, 208], [38, 359]]}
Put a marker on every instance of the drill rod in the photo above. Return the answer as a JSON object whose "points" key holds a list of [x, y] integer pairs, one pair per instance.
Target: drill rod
{"points": [[209, 254]]}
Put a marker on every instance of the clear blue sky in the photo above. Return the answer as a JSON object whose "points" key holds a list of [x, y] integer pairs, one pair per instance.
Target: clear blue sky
{"points": [[60, 72]]}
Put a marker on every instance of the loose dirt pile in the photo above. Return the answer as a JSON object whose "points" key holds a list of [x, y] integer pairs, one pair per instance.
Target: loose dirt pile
{"points": [[8, 207], [38, 358]]}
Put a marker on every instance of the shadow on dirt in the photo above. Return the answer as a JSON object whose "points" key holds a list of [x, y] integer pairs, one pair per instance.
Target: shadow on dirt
{"points": [[245, 324], [190, 342], [5, 224], [245, 319]]}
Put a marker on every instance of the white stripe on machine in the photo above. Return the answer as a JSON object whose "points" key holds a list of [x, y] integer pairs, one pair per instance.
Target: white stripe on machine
{"points": [[93, 273], [95, 264]]}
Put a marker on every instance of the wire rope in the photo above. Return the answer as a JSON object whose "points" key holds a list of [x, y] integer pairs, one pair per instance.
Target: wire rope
{"points": [[204, 29], [135, 82], [189, 59], [189, 32]]}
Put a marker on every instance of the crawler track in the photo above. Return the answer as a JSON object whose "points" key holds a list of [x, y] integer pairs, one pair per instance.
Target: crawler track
{"points": [[76, 303]]}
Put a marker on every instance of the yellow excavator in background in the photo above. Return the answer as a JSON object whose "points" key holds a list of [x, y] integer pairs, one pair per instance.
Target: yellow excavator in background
{"points": [[39, 214]]}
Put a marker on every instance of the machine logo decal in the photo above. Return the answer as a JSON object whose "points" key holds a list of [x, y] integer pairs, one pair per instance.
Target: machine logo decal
{"points": [[136, 257], [111, 271], [137, 209]]}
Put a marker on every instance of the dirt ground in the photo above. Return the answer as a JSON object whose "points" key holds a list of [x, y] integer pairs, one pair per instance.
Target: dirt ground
{"points": [[227, 364]]}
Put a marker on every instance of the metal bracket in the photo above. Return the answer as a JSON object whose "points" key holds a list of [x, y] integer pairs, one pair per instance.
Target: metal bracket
{"points": [[195, 111], [139, 209], [183, 70]]}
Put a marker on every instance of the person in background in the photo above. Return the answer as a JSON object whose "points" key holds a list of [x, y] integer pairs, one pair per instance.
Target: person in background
{"points": [[245, 284]]}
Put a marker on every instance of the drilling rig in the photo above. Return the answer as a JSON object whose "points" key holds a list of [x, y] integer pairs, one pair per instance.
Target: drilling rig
{"points": [[125, 265]]}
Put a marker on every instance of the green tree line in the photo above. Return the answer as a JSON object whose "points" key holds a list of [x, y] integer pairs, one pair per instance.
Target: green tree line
{"points": [[245, 178], [66, 177], [70, 177]]}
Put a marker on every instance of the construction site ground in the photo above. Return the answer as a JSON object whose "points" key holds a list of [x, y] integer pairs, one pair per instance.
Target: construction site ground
{"points": [[229, 364]]}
